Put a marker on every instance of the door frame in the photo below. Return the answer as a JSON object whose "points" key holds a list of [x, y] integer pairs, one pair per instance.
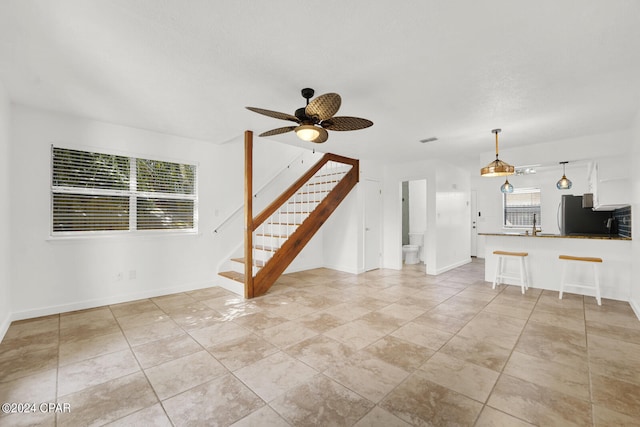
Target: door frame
{"points": [[378, 184]]}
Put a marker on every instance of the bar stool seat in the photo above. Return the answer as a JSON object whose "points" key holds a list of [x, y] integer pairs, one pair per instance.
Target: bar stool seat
{"points": [[500, 268], [596, 262]]}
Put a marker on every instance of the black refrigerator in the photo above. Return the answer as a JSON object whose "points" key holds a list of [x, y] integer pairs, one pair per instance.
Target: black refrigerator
{"points": [[574, 220]]}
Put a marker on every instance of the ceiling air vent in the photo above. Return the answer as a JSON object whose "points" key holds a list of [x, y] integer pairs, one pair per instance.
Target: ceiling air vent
{"points": [[432, 139]]}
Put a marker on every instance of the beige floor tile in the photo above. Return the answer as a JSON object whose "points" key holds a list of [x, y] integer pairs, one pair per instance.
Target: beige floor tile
{"points": [[382, 321], [419, 401], [494, 328], [292, 310], [404, 311], [511, 307], [398, 352], [242, 351], [379, 417], [357, 334], [321, 402], [553, 343], [184, 373], [98, 370], [619, 396], [209, 292], [570, 318], [82, 317], [23, 344], [190, 321], [152, 332], [538, 405], [368, 376], [31, 363], [440, 322], [466, 378], [35, 326], [221, 401], [604, 417], [263, 417], [169, 302], [141, 319], [151, 416], [613, 332], [321, 321], [40, 387], [107, 402], [422, 335], [615, 359], [166, 349], [219, 333], [477, 351], [451, 309], [132, 307], [29, 419], [89, 329], [565, 379], [320, 352], [75, 351], [615, 313], [222, 302], [274, 375], [260, 320], [287, 333], [347, 312], [493, 418]]}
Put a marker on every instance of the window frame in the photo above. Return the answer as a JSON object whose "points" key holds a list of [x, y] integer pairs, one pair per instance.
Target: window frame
{"points": [[132, 193], [528, 190]]}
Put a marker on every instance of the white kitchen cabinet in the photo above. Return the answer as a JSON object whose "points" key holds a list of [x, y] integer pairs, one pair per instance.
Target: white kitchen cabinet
{"points": [[609, 182]]}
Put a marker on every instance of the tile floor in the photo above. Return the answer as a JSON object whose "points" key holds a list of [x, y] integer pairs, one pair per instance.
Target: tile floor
{"points": [[385, 348]]}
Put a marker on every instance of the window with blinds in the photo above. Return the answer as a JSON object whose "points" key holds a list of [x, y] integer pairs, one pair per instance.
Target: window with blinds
{"points": [[520, 206], [97, 192]]}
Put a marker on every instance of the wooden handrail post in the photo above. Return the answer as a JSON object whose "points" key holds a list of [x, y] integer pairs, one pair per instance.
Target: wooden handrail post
{"points": [[248, 214]]}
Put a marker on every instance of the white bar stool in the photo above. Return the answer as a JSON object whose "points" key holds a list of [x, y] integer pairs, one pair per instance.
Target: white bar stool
{"points": [[500, 268], [568, 259]]}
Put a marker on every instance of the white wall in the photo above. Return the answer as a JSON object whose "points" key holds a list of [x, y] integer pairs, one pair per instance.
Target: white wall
{"points": [[50, 276], [635, 221], [448, 230], [5, 219], [418, 206]]}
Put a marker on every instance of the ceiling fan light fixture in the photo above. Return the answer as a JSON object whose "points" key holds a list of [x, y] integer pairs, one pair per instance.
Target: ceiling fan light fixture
{"points": [[497, 167], [307, 132]]}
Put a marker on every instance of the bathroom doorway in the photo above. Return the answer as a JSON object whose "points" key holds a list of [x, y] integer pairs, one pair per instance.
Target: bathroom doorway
{"points": [[414, 223]]}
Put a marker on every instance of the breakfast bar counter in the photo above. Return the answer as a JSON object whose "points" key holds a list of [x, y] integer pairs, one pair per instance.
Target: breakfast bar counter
{"points": [[545, 269]]}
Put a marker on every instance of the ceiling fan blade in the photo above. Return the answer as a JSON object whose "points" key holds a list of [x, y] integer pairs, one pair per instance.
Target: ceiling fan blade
{"points": [[324, 106], [324, 135], [343, 123], [274, 114], [278, 131]]}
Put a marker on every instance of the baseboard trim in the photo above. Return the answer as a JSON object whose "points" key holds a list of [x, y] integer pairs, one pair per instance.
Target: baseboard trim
{"points": [[4, 325], [99, 302], [449, 267], [635, 307]]}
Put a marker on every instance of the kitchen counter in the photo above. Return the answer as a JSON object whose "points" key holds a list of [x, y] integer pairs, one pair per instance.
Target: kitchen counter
{"points": [[558, 236], [545, 268]]}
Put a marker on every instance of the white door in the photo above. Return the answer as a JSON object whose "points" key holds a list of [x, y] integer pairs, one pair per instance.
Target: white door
{"points": [[372, 229], [474, 224]]}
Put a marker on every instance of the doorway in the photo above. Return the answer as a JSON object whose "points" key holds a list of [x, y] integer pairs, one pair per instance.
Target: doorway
{"points": [[414, 223]]}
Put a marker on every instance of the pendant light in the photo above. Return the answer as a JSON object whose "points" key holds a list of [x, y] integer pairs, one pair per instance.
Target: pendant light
{"points": [[507, 187], [564, 183], [497, 167]]}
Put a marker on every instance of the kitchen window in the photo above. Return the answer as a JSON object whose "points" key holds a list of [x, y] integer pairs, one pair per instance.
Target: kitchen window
{"points": [[99, 193], [519, 208]]}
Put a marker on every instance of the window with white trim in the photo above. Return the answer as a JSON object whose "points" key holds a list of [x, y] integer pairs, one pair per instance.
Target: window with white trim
{"points": [[105, 193], [519, 208]]}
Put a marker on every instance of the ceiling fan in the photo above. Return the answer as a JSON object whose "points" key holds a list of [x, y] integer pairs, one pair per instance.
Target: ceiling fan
{"points": [[315, 119]]}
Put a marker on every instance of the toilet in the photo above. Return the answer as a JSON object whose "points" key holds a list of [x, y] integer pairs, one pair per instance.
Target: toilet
{"points": [[412, 252]]}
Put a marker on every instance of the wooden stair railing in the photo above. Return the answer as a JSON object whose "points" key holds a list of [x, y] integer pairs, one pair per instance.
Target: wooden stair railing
{"points": [[270, 271]]}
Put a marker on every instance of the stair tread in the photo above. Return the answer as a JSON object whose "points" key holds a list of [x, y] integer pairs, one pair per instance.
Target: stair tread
{"points": [[257, 262], [279, 236], [265, 248], [233, 275]]}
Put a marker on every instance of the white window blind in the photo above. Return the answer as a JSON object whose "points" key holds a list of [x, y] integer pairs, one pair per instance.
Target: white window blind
{"points": [[97, 192], [520, 206]]}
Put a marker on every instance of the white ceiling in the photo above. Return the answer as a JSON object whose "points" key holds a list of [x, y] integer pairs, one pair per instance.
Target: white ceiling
{"points": [[541, 70]]}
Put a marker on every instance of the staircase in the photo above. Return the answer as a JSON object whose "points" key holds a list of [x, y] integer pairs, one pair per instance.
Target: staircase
{"points": [[277, 235]]}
